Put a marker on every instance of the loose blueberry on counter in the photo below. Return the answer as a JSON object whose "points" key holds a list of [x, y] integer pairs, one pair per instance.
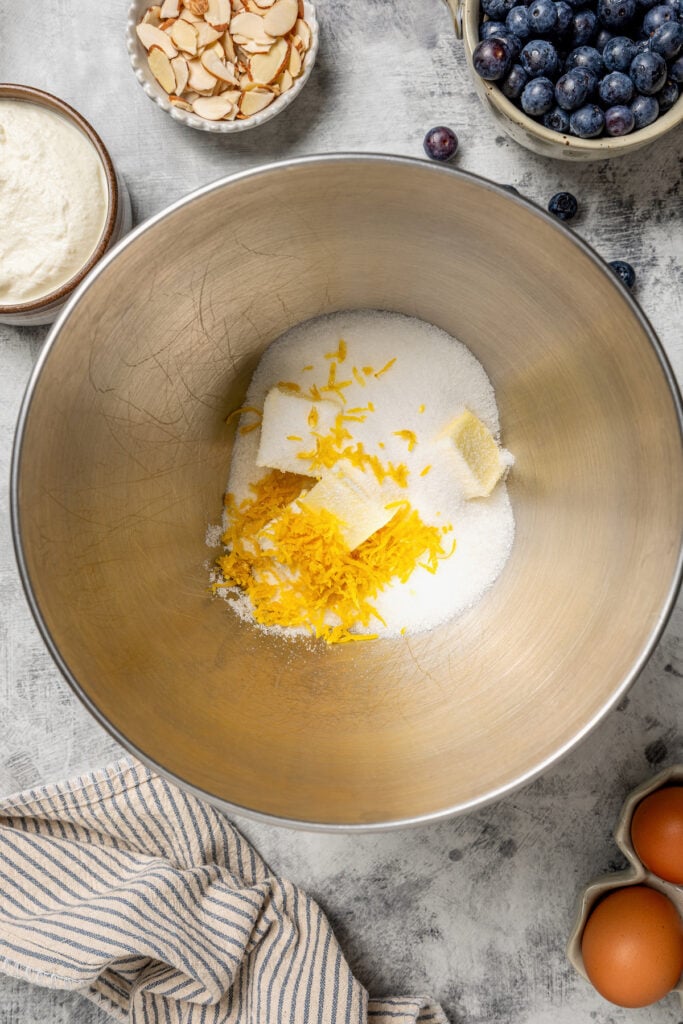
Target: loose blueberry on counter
{"points": [[624, 272], [587, 122], [645, 110], [563, 205], [513, 85], [585, 57], [441, 143], [539, 58], [648, 72], [565, 15], [557, 120], [583, 27], [667, 41], [619, 120], [542, 16], [618, 53], [667, 95], [676, 71], [657, 17], [616, 13], [517, 21], [602, 39], [492, 59], [491, 28], [572, 90], [538, 97], [615, 89]]}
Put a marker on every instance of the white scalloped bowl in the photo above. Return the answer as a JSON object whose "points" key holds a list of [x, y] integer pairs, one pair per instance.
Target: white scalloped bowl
{"points": [[138, 59]]}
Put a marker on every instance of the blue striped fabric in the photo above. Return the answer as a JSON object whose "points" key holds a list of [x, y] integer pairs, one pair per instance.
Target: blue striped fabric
{"points": [[147, 901]]}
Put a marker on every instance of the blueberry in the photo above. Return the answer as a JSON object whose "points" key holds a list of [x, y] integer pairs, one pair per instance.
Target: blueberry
{"points": [[619, 120], [676, 71], [539, 57], [583, 27], [492, 58], [624, 272], [538, 97], [514, 42], [657, 17], [564, 16], [563, 205], [602, 39], [542, 17], [441, 143], [513, 85], [585, 57], [615, 89], [616, 13], [572, 90], [487, 29], [645, 110], [618, 53], [557, 120], [667, 96], [648, 72], [497, 9], [668, 40], [645, 5], [517, 21], [587, 122], [588, 77], [642, 45]]}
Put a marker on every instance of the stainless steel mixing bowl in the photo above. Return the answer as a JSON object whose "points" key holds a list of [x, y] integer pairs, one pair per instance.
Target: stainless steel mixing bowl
{"points": [[122, 455]]}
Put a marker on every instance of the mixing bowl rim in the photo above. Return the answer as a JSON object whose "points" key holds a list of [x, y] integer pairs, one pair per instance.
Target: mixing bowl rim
{"points": [[15, 516]]}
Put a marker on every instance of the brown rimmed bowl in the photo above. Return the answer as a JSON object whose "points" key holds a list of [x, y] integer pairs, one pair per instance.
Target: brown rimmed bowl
{"points": [[45, 309]]}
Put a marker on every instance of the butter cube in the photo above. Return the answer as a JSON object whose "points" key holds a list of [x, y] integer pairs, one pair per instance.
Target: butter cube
{"points": [[289, 423], [356, 501], [480, 461]]}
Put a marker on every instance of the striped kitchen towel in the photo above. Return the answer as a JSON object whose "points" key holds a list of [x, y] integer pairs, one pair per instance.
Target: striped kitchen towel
{"points": [[124, 888]]}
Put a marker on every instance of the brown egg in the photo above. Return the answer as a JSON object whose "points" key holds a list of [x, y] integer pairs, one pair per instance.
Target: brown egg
{"points": [[632, 946], [657, 833]]}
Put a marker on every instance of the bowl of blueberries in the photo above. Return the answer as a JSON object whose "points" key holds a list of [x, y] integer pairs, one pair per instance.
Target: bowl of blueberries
{"points": [[579, 79]]}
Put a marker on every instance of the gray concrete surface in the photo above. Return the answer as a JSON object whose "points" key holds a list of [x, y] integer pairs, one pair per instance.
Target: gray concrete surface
{"points": [[474, 911]]}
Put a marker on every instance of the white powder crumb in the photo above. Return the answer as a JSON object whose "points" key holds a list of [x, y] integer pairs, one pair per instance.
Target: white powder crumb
{"points": [[214, 532]]}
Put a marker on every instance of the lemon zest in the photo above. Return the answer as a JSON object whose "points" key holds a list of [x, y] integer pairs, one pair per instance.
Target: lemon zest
{"points": [[385, 368], [356, 373], [425, 470], [408, 436]]}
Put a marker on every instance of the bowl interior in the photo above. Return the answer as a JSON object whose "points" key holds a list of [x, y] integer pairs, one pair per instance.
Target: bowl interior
{"points": [[124, 452]]}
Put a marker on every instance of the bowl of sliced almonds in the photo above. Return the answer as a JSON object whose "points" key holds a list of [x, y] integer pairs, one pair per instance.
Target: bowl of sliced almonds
{"points": [[222, 65]]}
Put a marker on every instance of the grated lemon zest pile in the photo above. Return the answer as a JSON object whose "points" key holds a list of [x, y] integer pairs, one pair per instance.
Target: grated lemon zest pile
{"points": [[306, 572]]}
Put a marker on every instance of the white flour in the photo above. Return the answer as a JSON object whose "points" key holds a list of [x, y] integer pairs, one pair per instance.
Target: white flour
{"points": [[432, 379]]}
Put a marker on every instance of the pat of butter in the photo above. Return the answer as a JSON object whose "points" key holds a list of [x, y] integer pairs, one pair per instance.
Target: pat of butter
{"points": [[288, 428], [358, 503], [480, 462]]}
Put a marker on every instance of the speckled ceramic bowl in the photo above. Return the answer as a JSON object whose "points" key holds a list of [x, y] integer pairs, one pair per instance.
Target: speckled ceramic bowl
{"points": [[138, 58], [532, 134], [635, 874], [46, 308]]}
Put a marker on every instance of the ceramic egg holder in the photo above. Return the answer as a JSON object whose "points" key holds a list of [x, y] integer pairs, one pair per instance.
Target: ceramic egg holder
{"points": [[635, 874]]}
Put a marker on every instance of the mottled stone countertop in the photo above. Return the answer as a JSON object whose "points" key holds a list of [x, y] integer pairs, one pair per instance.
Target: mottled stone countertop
{"points": [[474, 911]]}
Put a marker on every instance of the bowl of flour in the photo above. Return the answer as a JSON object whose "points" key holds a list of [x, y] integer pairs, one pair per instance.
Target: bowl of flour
{"points": [[62, 204], [398, 284]]}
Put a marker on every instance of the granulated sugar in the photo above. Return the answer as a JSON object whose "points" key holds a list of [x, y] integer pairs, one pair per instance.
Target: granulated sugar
{"points": [[415, 378]]}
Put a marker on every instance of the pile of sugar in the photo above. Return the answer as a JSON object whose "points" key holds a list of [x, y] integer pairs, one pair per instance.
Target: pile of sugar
{"points": [[432, 378]]}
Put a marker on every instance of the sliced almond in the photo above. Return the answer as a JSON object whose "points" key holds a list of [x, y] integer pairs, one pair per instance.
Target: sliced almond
{"points": [[167, 25], [250, 26], [198, 7], [219, 14], [199, 78], [301, 8], [152, 15], [266, 67], [170, 9], [160, 66], [295, 62], [178, 102], [281, 18], [228, 46], [207, 34], [213, 108], [254, 100], [185, 36], [303, 31], [181, 72], [237, 6], [215, 66], [217, 48], [285, 81], [264, 4], [150, 35], [251, 48], [187, 15]]}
